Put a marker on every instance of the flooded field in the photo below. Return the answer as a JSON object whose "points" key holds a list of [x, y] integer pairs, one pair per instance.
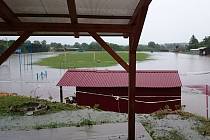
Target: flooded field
{"points": [[22, 79], [17, 75]]}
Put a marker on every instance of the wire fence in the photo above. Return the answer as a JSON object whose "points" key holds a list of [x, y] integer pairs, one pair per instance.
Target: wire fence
{"points": [[138, 101]]}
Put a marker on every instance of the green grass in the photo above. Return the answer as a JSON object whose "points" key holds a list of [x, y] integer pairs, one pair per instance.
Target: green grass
{"points": [[7, 101], [203, 127], [51, 125], [167, 135], [86, 59], [83, 122], [171, 135]]}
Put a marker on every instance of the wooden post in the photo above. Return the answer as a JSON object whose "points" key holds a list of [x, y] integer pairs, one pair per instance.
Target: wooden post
{"points": [[4, 56], [131, 89], [61, 94]]}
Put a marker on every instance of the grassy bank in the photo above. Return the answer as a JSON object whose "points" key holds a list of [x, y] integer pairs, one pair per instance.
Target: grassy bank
{"points": [[8, 103], [176, 125], [86, 59]]}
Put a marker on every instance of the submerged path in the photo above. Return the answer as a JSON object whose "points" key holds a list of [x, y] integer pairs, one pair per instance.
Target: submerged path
{"points": [[116, 131]]}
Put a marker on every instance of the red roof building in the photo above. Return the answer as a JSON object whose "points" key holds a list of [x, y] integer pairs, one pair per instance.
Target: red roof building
{"points": [[109, 89]]}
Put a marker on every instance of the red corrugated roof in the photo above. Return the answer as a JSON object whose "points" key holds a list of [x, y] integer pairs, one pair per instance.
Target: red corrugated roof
{"points": [[110, 78]]}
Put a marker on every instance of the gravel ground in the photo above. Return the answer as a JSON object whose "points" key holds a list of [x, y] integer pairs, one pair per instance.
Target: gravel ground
{"points": [[182, 128], [64, 117], [161, 128]]}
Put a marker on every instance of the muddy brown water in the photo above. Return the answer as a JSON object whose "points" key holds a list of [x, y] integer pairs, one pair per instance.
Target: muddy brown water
{"points": [[194, 72]]}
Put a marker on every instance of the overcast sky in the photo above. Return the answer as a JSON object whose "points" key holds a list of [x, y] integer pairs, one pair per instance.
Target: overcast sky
{"points": [[167, 21]]}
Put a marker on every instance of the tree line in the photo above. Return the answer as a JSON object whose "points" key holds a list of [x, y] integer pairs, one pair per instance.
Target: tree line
{"points": [[42, 46], [26, 47], [194, 43]]}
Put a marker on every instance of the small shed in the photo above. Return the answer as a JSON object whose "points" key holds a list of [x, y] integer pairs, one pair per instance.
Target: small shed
{"points": [[201, 51], [108, 89], [204, 51]]}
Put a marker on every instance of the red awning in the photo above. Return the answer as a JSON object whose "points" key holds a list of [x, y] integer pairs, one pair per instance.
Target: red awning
{"points": [[108, 78]]}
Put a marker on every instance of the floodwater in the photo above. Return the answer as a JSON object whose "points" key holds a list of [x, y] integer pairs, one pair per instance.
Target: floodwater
{"points": [[194, 71], [17, 75]]}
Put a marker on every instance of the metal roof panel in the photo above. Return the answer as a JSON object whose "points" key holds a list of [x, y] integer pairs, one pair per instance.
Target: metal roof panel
{"points": [[107, 78]]}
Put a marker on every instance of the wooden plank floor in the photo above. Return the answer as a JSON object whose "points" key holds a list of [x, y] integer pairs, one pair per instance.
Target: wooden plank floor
{"points": [[116, 131]]}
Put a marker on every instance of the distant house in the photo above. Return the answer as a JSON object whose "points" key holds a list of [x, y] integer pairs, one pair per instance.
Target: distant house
{"points": [[109, 89], [204, 51], [66, 49], [201, 51]]}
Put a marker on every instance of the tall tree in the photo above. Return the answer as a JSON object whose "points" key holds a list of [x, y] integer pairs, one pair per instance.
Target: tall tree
{"points": [[193, 44], [36, 42], [44, 42], [3, 45], [206, 42], [94, 46], [84, 46], [151, 44]]}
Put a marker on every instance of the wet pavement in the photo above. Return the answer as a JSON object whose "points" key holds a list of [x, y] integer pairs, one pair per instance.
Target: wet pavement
{"points": [[116, 131]]}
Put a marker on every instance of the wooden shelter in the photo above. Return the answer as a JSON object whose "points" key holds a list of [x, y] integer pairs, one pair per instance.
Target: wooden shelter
{"points": [[25, 18], [108, 89]]}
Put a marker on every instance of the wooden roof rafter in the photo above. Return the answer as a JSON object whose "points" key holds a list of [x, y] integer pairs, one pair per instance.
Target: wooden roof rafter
{"points": [[91, 18], [65, 27], [73, 14], [6, 14], [138, 10], [135, 14], [137, 21]]}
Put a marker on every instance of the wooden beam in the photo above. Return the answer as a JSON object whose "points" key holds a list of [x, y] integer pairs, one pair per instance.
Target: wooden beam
{"points": [[4, 56], [131, 90], [67, 16], [109, 50], [65, 27], [56, 34], [72, 11], [6, 14], [137, 11], [73, 14], [137, 29]]}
